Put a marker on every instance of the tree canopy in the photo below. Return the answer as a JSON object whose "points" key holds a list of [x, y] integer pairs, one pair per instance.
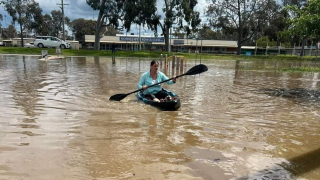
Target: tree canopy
{"points": [[110, 13], [304, 21], [177, 12], [244, 17], [81, 27], [145, 12], [25, 12]]}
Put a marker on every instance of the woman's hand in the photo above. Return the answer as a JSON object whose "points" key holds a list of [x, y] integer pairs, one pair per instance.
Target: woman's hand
{"points": [[144, 87], [174, 79]]}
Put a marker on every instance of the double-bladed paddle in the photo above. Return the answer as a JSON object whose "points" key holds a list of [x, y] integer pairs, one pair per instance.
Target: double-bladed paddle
{"points": [[193, 71]]}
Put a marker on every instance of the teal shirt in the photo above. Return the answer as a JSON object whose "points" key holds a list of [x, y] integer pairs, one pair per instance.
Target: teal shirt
{"points": [[146, 79]]}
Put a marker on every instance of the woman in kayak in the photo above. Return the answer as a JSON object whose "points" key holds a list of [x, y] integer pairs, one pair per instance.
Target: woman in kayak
{"points": [[153, 77]]}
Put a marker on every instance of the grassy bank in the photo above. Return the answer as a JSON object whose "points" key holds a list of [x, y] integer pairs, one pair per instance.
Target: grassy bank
{"points": [[83, 52]]}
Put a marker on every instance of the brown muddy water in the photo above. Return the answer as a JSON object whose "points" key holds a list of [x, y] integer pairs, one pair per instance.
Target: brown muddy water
{"points": [[238, 120]]}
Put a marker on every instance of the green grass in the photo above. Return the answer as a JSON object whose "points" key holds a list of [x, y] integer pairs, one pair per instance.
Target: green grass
{"points": [[204, 56]]}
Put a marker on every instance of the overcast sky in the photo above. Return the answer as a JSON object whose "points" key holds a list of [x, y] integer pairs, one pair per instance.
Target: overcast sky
{"points": [[79, 9]]}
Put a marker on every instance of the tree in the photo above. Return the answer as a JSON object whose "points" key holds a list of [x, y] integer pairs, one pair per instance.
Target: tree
{"points": [[109, 11], [205, 32], [57, 22], [34, 24], [80, 27], [111, 31], [265, 41], [9, 32], [243, 17], [178, 32], [298, 3], [304, 21], [22, 11], [46, 26], [274, 21], [179, 12]]}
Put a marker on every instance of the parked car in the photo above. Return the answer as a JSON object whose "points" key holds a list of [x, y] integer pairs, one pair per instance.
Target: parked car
{"points": [[50, 41], [29, 45]]}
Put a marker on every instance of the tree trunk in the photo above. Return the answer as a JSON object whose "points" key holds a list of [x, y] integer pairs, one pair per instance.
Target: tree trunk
{"points": [[97, 33], [97, 38], [302, 47], [317, 45], [21, 36], [98, 27], [239, 46], [239, 30], [166, 38], [21, 32]]}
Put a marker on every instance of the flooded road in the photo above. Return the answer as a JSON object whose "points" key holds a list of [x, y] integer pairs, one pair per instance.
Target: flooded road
{"points": [[238, 120]]}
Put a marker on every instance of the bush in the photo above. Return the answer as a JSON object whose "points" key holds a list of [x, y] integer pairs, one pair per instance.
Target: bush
{"points": [[285, 44], [264, 41]]}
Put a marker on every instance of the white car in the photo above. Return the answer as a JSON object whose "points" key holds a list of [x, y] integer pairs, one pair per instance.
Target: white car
{"points": [[50, 41]]}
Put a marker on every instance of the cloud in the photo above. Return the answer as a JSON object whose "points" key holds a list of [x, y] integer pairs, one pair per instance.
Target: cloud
{"points": [[74, 10], [200, 7]]}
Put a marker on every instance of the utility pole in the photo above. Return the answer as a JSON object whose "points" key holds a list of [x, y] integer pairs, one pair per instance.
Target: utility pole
{"points": [[64, 37], [170, 34], [139, 37]]}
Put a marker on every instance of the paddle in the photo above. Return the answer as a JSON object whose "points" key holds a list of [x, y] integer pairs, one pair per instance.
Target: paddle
{"points": [[193, 71]]}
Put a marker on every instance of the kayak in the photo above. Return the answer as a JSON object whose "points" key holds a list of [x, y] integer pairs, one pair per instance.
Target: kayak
{"points": [[171, 105]]}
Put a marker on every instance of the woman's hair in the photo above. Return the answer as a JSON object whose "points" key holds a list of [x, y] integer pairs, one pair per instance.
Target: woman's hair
{"points": [[153, 62]]}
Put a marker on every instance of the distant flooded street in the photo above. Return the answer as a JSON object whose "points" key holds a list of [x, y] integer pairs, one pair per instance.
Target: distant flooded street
{"points": [[239, 120]]}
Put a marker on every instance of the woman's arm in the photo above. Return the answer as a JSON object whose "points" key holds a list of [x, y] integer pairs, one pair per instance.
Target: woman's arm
{"points": [[164, 77], [141, 82]]}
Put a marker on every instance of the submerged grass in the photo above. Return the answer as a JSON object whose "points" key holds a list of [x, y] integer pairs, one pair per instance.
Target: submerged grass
{"points": [[293, 69], [148, 54], [301, 69]]}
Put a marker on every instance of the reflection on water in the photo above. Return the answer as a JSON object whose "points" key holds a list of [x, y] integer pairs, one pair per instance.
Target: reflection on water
{"points": [[57, 121]]}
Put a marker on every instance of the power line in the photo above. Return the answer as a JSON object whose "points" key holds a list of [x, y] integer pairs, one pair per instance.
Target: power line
{"points": [[64, 37]]}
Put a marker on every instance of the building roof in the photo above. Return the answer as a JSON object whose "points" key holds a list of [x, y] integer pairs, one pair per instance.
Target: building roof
{"points": [[187, 42]]}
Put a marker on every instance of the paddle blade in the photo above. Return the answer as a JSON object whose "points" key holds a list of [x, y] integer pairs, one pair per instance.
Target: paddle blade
{"points": [[197, 69], [118, 97]]}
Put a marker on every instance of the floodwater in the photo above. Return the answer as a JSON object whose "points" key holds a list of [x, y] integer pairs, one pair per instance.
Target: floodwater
{"points": [[238, 120]]}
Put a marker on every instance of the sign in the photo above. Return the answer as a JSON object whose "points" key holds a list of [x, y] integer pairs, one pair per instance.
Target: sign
{"points": [[152, 39], [142, 39], [58, 51], [44, 54], [178, 42], [128, 39]]}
